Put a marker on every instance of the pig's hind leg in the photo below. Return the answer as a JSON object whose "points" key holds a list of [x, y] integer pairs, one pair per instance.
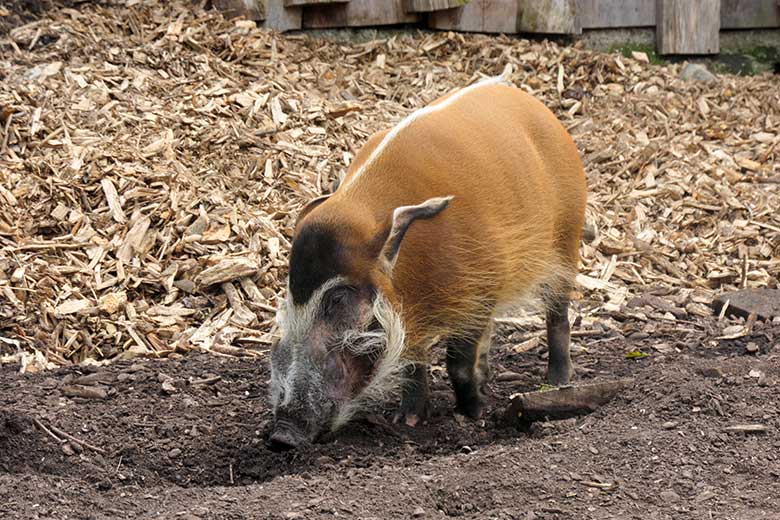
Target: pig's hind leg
{"points": [[559, 367], [468, 369]]}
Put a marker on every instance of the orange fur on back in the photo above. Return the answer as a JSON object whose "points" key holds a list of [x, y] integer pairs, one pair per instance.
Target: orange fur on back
{"points": [[512, 227]]}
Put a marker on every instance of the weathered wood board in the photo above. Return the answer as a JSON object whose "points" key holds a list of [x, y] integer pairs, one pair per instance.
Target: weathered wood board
{"points": [[293, 3], [549, 17], [607, 14], [426, 6], [358, 13], [249, 9], [489, 16], [749, 14], [685, 27], [281, 18]]}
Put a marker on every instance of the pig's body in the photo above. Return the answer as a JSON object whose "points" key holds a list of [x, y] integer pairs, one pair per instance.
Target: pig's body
{"points": [[511, 230]]}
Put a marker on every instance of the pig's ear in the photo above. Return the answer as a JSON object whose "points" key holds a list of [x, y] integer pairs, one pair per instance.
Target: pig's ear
{"points": [[403, 216], [310, 206]]}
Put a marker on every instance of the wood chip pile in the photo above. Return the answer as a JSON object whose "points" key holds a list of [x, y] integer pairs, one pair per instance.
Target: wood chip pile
{"points": [[153, 157]]}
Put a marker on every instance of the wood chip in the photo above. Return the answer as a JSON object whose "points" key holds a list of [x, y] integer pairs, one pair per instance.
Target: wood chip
{"points": [[226, 270], [123, 170]]}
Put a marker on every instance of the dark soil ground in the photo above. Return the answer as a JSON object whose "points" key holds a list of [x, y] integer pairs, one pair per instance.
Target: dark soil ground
{"points": [[195, 447]]}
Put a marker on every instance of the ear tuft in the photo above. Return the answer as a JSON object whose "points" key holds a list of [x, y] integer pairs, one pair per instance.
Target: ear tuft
{"points": [[403, 217]]}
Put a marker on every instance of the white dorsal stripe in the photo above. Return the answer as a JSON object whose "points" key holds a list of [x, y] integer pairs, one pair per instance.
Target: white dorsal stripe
{"points": [[417, 114]]}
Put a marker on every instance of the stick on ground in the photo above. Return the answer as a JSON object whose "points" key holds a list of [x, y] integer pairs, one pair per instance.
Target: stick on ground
{"points": [[54, 432], [562, 403]]}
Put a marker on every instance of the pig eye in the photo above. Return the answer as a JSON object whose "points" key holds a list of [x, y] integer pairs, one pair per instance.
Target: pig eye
{"points": [[337, 300]]}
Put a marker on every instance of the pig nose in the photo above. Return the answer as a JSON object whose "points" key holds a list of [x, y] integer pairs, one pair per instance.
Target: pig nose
{"points": [[285, 436]]}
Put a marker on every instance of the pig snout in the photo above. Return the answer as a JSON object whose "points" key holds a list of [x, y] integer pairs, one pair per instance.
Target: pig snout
{"points": [[288, 433], [285, 436]]}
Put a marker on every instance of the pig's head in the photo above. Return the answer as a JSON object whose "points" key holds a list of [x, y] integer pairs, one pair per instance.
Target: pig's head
{"points": [[341, 330]]}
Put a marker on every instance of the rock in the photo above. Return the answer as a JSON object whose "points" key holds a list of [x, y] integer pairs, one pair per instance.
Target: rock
{"points": [[712, 372], [764, 303], [669, 425], [696, 72], [168, 387], [669, 496], [67, 449], [84, 392], [751, 348], [175, 452], [418, 512]]}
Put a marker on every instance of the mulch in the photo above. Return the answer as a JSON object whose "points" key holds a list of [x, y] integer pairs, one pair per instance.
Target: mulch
{"points": [[153, 157]]}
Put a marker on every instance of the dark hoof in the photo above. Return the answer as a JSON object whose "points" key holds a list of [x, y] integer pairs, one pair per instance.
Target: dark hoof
{"points": [[411, 418], [560, 377], [472, 409]]}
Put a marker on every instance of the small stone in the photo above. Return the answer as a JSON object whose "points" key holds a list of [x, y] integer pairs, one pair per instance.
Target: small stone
{"points": [[67, 449], [168, 387], [751, 348], [187, 286], [696, 72], [418, 512], [669, 496], [292, 515], [175, 452], [593, 450], [669, 425], [712, 372], [755, 373]]}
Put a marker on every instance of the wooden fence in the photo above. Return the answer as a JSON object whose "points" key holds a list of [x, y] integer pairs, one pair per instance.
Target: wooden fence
{"points": [[682, 26]]}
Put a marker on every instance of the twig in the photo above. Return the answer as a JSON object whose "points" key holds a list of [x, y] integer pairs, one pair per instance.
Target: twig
{"points": [[764, 180], [77, 441], [40, 425], [6, 133], [33, 247]]}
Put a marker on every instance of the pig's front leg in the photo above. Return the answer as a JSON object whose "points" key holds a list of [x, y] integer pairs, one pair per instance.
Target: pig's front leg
{"points": [[415, 395]]}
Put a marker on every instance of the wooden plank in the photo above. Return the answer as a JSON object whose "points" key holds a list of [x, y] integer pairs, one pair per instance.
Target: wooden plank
{"points": [[607, 14], [426, 6], [281, 18], [248, 9], [686, 27], [294, 3], [550, 17], [489, 16], [749, 14], [358, 13]]}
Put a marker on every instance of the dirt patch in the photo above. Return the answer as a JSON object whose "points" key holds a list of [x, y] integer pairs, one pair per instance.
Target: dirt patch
{"points": [[195, 447], [146, 144]]}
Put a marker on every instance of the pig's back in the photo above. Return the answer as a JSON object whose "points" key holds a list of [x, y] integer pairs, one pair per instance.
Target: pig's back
{"points": [[516, 216]]}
